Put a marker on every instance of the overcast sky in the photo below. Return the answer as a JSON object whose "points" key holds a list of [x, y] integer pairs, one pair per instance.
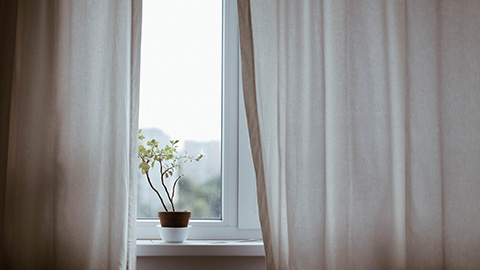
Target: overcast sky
{"points": [[180, 81]]}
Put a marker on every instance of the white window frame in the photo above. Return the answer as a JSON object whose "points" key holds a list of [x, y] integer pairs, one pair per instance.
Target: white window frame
{"points": [[239, 211]]}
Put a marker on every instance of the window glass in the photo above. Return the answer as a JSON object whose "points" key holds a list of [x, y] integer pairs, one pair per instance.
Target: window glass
{"points": [[181, 99]]}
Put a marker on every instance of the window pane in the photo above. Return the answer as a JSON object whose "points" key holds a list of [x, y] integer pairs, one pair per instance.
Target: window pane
{"points": [[180, 98]]}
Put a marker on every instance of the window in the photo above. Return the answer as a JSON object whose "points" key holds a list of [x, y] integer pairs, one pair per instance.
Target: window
{"points": [[181, 98], [189, 90]]}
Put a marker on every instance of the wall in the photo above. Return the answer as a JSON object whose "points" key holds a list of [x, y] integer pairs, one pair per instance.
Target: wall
{"points": [[201, 262]]}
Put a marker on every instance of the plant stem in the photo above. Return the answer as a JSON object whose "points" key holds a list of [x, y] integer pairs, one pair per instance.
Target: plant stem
{"points": [[156, 191], [174, 185], [162, 177]]}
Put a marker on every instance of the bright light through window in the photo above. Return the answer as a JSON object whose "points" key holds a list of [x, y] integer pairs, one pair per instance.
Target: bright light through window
{"points": [[181, 98]]}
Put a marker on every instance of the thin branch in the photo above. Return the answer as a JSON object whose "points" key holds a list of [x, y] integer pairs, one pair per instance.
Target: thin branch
{"points": [[174, 185], [166, 170], [156, 191], [165, 186]]}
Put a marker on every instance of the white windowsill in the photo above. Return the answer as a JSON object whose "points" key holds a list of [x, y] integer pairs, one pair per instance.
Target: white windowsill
{"points": [[154, 248]]}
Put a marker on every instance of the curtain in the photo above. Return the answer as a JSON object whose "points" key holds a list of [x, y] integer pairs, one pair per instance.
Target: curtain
{"points": [[69, 77], [364, 120]]}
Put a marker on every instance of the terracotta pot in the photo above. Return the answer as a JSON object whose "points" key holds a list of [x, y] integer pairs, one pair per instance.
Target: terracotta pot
{"points": [[174, 219]]}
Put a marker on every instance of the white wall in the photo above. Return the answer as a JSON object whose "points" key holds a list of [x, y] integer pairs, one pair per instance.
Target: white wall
{"points": [[201, 263]]}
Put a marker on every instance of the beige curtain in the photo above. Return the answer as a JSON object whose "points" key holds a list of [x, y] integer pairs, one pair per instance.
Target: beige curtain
{"points": [[69, 96], [364, 120]]}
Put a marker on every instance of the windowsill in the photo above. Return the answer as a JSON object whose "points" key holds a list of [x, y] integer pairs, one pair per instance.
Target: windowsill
{"points": [[157, 248]]}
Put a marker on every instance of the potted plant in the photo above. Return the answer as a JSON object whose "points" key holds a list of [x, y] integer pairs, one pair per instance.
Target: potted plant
{"points": [[173, 223]]}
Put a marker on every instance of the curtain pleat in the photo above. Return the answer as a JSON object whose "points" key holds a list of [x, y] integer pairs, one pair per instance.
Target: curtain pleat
{"points": [[72, 124], [136, 32], [250, 100], [368, 128]]}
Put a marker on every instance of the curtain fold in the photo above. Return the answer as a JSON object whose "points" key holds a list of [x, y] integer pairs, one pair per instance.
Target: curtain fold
{"points": [[366, 115], [250, 100], [68, 130]]}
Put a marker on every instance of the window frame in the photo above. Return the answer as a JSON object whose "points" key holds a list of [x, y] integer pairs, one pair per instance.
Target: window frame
{"points": [[239, 211]]}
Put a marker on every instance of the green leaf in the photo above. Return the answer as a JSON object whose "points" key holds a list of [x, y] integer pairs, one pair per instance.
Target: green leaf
{"points": [[144, 166], [199, 156], [167, 156]]}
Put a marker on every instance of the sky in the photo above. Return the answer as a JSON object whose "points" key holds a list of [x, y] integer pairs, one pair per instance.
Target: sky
{"points": [[181, 75]]}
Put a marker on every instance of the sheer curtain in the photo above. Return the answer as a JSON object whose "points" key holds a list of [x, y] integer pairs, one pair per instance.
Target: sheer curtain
{"points": [[364, 119], [69, 78]]}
